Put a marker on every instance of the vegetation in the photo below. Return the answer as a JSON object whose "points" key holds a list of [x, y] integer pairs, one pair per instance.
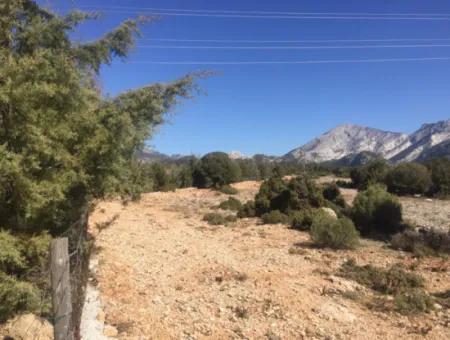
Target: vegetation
{"points": [[49, 175], [215, 170], [408, 179], [393, 280], [430, 242], [219, 219], [376, 211], [413, 302], [334, 233], [227, 190], [440, 175], [274, 217], [231, 204], [371, 173]]}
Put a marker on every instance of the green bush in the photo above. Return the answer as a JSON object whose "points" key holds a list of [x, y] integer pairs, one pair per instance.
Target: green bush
{"points": [[303, 219], [228, 190], [12, 259], [331, 191], [334, 233], [231, 204], [427, 242], [375, 210], [393, 280], [215, 169], [17, 296], [408, 179], [371, 173], [298, 194], [219, 219], [274, 217], [440, 175], [247, 210], [413, 302]]}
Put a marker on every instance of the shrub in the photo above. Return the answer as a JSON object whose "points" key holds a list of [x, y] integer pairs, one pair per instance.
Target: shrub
{"points": [[231, 204], [440, 176], [331, 191], [12, 259], [228, 190], [16, 296], [215, 169], [274, 217], [422, 243], [413, 302], [393, 280], [247, 210], [334, 233], [375, 210], [408, 179], [302, 220], [219, 219], [371, 173], [299, 193]]}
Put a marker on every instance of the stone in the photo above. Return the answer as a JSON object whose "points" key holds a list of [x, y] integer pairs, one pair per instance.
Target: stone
{"points": [[110, 331], [330, 212], [29, 326]]}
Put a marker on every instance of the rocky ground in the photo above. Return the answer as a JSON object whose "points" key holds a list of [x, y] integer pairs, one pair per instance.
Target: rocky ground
{"points": [[163, 273]]}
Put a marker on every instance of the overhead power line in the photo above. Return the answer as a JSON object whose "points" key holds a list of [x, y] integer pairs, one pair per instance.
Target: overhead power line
{"points": [[237, 41], [263, 12], [247, 15], [290, 47], [329, 61]]}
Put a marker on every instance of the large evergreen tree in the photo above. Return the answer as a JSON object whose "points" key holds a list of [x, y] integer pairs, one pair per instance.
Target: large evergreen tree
{"points": [[61, 142]]}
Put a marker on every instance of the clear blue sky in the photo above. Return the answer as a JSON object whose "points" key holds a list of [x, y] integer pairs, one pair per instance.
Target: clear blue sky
{"points": [[274, 108]]}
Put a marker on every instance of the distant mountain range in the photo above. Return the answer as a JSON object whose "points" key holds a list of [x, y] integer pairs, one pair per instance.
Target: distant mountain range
{"points": [[349, 141], [348, 145]]}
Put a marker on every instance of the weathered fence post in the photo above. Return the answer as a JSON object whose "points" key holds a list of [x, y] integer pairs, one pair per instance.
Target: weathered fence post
{"points": [[61, 293]]}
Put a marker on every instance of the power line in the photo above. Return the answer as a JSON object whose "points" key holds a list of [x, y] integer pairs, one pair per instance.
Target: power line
{"points": [[263, 12], [290, 47], [330, 61], [291, 41], [251, 16]]}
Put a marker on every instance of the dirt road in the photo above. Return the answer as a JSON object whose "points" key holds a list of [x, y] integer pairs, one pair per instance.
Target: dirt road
{"points": [[163, 273]]}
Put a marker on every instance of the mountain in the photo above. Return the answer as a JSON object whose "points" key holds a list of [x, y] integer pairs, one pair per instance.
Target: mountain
{"points": [[349, 139], [438, 151], [237, 155], [357, 159], [149, 155], [428, 137]]}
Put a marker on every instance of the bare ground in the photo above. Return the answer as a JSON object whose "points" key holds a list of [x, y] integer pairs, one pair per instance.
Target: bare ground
{"points": [[163, 273]]}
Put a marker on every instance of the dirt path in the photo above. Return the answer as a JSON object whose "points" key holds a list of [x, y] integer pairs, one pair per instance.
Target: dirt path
{"points": [[163, 273]]}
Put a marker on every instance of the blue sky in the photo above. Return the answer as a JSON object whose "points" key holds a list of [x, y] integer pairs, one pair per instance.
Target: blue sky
{"points": [[275, 108]]}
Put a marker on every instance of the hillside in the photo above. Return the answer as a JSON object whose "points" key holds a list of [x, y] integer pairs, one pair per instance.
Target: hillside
{"points": [[184, 279]]}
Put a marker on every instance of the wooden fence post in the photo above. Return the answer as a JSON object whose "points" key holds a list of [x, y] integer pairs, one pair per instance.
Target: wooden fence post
{"points": [[61, 293]]}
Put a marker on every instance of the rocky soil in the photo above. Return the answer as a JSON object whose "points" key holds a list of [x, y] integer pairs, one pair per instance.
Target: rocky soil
{"points": [[163, 273]]}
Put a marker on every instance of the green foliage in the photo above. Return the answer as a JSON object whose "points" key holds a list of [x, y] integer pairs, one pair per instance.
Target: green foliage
{"points": [[231, 204], [408, 179], [228, 190], [393, 280], [332, 193], [17, 296], [429, 242], [440, 175], [298, 194], [274, 217], [249, 169], [215, 169], [12, 259], [48, 174], [375, 210], [247, 210], [371, 173], [413, 302], [334, 233], [303, 220], [219, 219]]}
